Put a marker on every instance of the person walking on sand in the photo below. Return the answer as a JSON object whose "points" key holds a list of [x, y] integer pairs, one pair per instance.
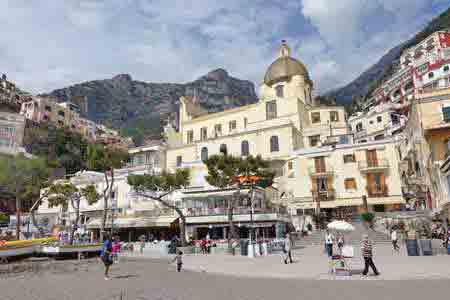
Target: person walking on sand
{"points": [[106, 255], [367, 253], [394, 239], [179, 259]]}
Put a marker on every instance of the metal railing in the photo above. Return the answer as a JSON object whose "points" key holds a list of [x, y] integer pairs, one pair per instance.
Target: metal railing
{"points": [[328, 195], [367, 165], [320, 172], [219, 211]]}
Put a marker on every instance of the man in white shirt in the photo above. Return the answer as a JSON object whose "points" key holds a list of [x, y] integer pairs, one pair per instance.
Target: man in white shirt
{"points": [[329, 243]]}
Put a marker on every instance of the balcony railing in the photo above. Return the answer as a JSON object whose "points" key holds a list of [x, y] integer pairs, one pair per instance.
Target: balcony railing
{"points": [[328, 195], [378, 192], [373, 165], [220, 211], [325, 172], [360, 133]]}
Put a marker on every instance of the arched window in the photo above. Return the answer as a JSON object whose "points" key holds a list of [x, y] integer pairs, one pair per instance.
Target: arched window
{"points": [[204, 154], [244, 148], [279, 91], [223, 149], [274, 147]]}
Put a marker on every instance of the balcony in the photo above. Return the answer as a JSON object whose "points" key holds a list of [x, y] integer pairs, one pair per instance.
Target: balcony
{"points": [[317, 173], [373, 166], [360, 134], [220, 211], [328, 195], [377, 192]]}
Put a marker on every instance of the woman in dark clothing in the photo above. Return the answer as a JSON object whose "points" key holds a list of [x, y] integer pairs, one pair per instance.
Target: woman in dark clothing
{"points": [[106, 255]]}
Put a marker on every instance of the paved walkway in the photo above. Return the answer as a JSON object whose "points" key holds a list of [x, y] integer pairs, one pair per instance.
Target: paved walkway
{"points": [[312, 263], [151, 279]]}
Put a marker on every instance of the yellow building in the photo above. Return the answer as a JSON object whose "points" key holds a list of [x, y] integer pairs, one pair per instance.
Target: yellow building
{"points": [[424, 149], [283, 120], [335, 178]]}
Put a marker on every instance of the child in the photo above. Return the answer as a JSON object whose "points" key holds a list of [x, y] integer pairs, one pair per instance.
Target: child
{"points": [[179, 259]]}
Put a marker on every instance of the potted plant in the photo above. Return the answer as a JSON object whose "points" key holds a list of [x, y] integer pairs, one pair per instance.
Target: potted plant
{"points": [[367, 218]]}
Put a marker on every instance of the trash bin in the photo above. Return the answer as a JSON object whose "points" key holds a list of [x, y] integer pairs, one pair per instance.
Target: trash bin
{"points": [[425, 245], [412, 247], [244, 247]]}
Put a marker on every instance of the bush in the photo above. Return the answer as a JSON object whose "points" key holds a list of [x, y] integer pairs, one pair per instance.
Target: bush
{"points": [[367, 217], [4, 218]]}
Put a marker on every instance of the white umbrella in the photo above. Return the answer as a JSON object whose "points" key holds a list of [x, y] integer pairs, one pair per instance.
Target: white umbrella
{"points": [[340, 226]]}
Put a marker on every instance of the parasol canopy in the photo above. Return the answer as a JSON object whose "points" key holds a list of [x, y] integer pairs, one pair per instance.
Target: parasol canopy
{"points": [[340, 226]]}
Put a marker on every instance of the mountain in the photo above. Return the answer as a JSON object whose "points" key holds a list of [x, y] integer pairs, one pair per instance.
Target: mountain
{"points": [[372, 77], [137, 108]]}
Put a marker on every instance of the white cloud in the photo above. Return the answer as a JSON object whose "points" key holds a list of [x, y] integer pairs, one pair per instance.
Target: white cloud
{"points": [[50, 44]]}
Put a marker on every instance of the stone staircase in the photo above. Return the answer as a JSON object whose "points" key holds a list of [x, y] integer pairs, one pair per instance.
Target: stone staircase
{"points": [[318, 237]]}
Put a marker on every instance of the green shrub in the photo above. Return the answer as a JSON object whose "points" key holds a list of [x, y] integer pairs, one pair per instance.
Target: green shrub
{"points": [[367, 217]]}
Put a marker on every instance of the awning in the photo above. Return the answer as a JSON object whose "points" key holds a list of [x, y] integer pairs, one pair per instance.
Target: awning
{"points": [[133, 222]]}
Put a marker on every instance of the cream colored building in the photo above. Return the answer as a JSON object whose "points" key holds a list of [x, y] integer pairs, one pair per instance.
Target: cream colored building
{"points": [[335, 178]]}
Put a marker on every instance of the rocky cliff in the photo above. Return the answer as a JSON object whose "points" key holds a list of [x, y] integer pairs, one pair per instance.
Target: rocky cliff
{"points": [[137, 107]]}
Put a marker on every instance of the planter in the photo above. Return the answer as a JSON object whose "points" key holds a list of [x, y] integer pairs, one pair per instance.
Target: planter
{"points": [[186, 250]]}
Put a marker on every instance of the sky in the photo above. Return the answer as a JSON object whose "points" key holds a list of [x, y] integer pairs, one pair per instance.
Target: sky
{"points": [[48, 44]]}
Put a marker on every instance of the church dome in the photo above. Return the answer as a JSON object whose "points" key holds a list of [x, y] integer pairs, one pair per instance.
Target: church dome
{"points": [[285, 67]]}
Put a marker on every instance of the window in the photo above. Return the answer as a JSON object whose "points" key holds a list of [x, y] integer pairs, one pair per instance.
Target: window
{"points": [[371, 157], [446, 68], [204, 133], [223, 149], [217, 130], [274, 147], [245, 122], [271, 110], [314, 140], [334, 116], [409, 86], [371, 122], [179, 161], [349, 158], [379, 137], [362, 141], [343, 139], [232, 125], [319, 164], [359, 127], [190, 136], [290, 165], [430, 75], [446, 113], [48, 108], [417, 169], [245, 151], [350, 184], [204, 154], [376, 184], [321, 185], [61, 113], [279, 90], [315, 117], [379, 119]]}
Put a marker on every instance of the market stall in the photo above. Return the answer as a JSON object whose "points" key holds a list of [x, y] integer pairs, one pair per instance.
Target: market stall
{"points": [[340, 263]]}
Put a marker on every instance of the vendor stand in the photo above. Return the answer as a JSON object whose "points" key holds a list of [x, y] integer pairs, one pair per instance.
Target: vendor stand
{"points": [[340, 263]]}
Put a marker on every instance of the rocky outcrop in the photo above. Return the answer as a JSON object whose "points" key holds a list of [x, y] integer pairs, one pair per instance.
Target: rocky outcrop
{"points": [[137, 107]]}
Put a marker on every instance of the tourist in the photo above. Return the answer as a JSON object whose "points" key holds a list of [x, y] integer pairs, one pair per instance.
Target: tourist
{"points": [[394, 239], [106, 255], [287, 249], [340, 243], [179, 259], [329, 243], [116, 249], [203, 245], [367, 253], [142, 243]]}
